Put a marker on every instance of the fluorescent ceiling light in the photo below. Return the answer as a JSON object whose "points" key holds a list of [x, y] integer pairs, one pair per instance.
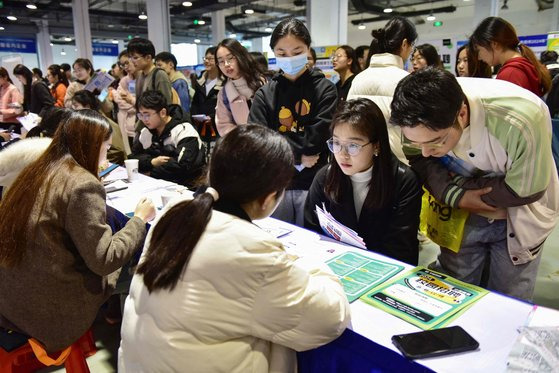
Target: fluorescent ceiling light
{"points": [[186, 3]]}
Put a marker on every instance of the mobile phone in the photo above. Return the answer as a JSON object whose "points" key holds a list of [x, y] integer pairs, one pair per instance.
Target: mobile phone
{"points": [[436, 342]]}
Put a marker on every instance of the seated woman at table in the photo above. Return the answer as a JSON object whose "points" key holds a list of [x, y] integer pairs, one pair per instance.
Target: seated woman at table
{"points": [[365, 187], [224, 293], [87, 100], [58, 258], [168, 147]]}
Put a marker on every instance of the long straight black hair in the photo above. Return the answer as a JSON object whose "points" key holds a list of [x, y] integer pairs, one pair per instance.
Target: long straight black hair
{"points": [[28, 75], [248, 67], [365, 117], [389, 38], [247, 164]]}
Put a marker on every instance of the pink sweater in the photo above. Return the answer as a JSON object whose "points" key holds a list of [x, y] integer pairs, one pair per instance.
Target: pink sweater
{"points": [[9, 95]]}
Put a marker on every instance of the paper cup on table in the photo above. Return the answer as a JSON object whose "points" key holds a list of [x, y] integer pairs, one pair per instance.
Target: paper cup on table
{"points": [[132, 168], [166, 196]]}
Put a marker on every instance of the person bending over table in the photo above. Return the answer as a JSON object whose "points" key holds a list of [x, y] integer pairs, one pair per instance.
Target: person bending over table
{"points": [[484, 145], [365, 187], [168, 147], [223, 295], [58, 258]]}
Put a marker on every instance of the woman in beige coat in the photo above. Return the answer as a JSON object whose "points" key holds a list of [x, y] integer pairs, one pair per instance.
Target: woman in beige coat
{"points": [[59, 261], [224, 295]]}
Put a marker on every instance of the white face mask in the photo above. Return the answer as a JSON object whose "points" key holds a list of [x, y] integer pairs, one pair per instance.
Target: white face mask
{"points": [[292, 65]]}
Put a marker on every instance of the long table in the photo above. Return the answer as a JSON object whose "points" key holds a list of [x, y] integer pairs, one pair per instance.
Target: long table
{"points": [[493, 320]]}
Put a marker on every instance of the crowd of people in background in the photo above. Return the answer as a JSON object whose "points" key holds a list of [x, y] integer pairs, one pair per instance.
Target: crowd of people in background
{"points": [[361, 148]]}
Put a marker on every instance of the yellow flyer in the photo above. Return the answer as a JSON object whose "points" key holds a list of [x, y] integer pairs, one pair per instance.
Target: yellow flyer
{"points": [[425, 298]]}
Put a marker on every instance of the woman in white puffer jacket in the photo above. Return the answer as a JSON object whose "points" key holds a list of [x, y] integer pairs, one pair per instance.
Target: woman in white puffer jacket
{"points": [[224, 295]]}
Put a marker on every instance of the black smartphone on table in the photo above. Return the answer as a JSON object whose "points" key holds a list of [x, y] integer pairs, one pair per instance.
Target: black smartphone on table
{"points": [[436, 342]]}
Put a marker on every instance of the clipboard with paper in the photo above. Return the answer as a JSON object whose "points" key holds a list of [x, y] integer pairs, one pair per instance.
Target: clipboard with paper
{"points": [[337, 230]]}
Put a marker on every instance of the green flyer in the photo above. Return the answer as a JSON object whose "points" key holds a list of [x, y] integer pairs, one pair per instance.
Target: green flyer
{"points": [[425, 298], [358, 273]]}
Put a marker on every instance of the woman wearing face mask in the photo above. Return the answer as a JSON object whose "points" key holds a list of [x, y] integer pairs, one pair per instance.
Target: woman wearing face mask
{"points": [[244, 77], [365, 187], [299, 103]]}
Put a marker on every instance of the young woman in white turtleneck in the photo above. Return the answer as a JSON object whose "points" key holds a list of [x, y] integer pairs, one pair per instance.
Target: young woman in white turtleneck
{"points": [[365, 187], [243, 79]]}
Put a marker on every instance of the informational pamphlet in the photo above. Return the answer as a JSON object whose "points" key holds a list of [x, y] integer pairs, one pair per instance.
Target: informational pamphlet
{"points": [[425, 298], [100, 81], [359, 273], [29, 121], [337, 230]]}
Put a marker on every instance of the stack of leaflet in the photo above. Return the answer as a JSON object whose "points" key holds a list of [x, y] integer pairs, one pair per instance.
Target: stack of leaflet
{"points": [[337, 230], [424, 298]]}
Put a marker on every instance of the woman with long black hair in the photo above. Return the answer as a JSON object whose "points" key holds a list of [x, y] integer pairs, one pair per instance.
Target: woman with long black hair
{"points": [[36, 96], [365, 187]]}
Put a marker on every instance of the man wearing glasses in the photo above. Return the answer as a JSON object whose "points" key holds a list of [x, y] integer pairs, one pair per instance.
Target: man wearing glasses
{"points": [[484, 146], [142, 53], [169, 147]]}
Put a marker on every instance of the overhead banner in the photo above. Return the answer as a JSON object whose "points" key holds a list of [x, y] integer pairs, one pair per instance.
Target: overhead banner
{"points": [[18, 45], [105, 49]]}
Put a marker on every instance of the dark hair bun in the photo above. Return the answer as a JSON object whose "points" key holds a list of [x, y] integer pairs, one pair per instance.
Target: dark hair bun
{"points": [[378, 34]]}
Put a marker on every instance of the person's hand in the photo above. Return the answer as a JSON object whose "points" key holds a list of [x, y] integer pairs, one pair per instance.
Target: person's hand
{"points": [[6, 136], [159, 161], [471, 201], [145, 210], [126, 96], [309, 160]]}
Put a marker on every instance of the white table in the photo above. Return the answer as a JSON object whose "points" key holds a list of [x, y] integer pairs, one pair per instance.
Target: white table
{"points": [[492, 321]]}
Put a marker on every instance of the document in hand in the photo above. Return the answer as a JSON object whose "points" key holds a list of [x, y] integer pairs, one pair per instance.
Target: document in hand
{"points": [[100, 81], [337, 230], [425, 298], [29, 121]]}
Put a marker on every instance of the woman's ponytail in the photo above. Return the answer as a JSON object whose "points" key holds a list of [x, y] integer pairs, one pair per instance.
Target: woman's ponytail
{"points": [[181, 226], [543, 72]]}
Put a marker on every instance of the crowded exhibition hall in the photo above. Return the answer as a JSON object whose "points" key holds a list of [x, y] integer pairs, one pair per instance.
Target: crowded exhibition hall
{"points": [[283, 186]]}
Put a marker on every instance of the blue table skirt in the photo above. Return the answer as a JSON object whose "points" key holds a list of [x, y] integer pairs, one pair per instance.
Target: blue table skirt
{"points": [[354, 353]]}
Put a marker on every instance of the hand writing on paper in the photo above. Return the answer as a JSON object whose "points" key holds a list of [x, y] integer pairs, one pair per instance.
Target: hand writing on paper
{"points": [[145, 210], [471, 201], [309, 160], [159, 161]]}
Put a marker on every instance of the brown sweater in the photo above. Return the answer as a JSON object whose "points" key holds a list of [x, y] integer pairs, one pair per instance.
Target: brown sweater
{"points": [[70, 267]]}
